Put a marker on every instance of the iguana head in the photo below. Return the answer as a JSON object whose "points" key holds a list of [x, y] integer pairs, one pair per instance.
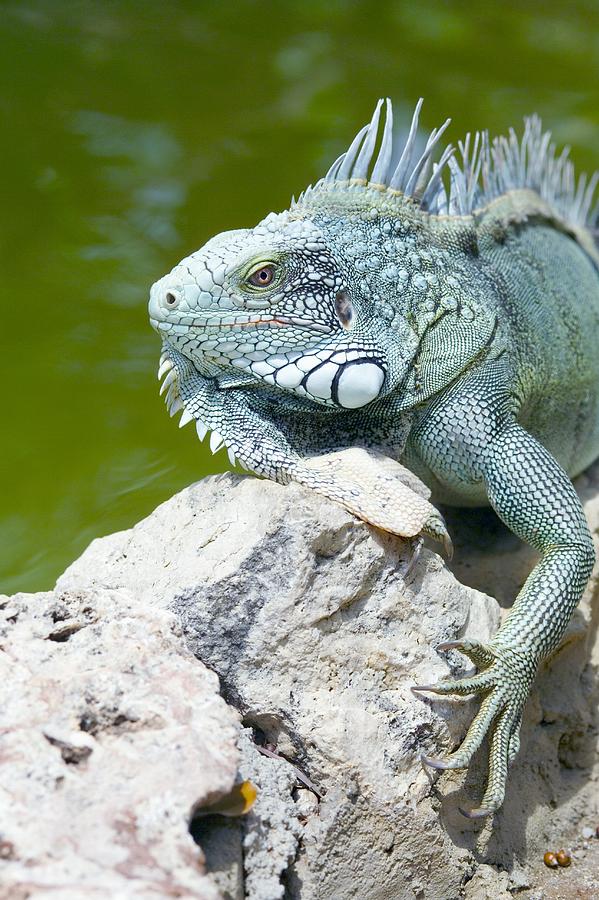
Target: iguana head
{"points": [[275, 305], [306, 301], [329, 321], [319, 323]]}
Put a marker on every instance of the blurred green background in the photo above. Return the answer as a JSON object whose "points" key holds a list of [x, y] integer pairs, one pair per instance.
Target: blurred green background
{"points": [[133, 131]]}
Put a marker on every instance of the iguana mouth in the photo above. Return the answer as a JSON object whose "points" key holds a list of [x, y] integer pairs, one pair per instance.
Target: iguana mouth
{"points": [[255, 323], [279, 322]]}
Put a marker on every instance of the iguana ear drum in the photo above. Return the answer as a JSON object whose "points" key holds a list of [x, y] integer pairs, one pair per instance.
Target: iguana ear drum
{"points": [[344, 310]]}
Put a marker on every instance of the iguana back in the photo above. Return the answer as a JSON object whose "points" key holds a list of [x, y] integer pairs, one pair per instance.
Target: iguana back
{"points": [[548, 286]]}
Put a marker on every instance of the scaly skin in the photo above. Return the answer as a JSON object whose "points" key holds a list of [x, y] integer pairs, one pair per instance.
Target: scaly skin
{"points": [[463, 345]]}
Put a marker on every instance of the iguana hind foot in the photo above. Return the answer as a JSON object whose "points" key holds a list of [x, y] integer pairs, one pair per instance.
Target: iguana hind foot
{"points": [[504, 683]]}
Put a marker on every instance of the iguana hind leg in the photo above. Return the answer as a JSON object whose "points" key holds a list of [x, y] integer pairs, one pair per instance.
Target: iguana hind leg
{"points": [[536, 499]]}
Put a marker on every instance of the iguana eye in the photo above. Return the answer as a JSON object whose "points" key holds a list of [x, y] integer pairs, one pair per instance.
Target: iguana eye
{"points": [[262, 277]]}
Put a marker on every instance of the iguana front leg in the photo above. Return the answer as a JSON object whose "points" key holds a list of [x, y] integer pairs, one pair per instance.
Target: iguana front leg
{"points": [[535, 498], [371, 485]]}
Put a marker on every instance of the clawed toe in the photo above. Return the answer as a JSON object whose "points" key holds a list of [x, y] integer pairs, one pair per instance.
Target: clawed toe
{"points": [[499, 717], [480, 655], [432, 761], [474, 684]]}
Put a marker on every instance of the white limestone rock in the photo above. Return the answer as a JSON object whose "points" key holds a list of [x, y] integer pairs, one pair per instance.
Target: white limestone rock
{"points": [[317, 625], [112, 733]]}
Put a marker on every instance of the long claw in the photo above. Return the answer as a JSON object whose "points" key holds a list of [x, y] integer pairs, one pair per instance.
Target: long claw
{"points": [[435, 763], [422, 687], [448, 548], [437, 530], [478, 812]]}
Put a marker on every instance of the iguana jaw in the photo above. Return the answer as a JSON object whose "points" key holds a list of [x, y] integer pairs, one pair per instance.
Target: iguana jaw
{"points": [[247, 416], [222, 402], [267, 435], [239, 322]]}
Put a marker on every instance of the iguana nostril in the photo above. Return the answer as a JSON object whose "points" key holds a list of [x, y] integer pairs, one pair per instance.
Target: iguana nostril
{"points": [[171, 299]]}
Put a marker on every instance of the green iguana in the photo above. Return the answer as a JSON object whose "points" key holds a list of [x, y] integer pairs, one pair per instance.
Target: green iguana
{"points": [[454, 327]]}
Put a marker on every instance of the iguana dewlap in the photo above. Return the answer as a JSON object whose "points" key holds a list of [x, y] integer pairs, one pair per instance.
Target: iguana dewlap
{"points": [[440, 316]]}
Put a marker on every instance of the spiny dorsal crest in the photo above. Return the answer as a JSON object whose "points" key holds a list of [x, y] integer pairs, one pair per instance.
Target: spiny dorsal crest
{"points": [[486, 170]]}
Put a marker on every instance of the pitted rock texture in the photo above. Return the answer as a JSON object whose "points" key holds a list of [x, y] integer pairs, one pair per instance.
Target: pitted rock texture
{"points": [[317, 625], [112, 733]]}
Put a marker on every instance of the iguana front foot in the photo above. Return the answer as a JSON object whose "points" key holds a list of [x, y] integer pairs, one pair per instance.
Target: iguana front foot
{"points": [[503, 681], [377, 489]]}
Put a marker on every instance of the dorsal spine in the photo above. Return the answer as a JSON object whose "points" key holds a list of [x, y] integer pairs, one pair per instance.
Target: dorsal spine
{"points": [[486, 169]]}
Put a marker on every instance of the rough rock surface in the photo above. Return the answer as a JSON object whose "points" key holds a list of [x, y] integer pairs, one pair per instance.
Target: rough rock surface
{"points": [[114, 734], [317, 625]]}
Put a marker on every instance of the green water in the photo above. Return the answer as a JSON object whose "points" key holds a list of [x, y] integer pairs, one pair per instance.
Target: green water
{"points": [[131, 132]]}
